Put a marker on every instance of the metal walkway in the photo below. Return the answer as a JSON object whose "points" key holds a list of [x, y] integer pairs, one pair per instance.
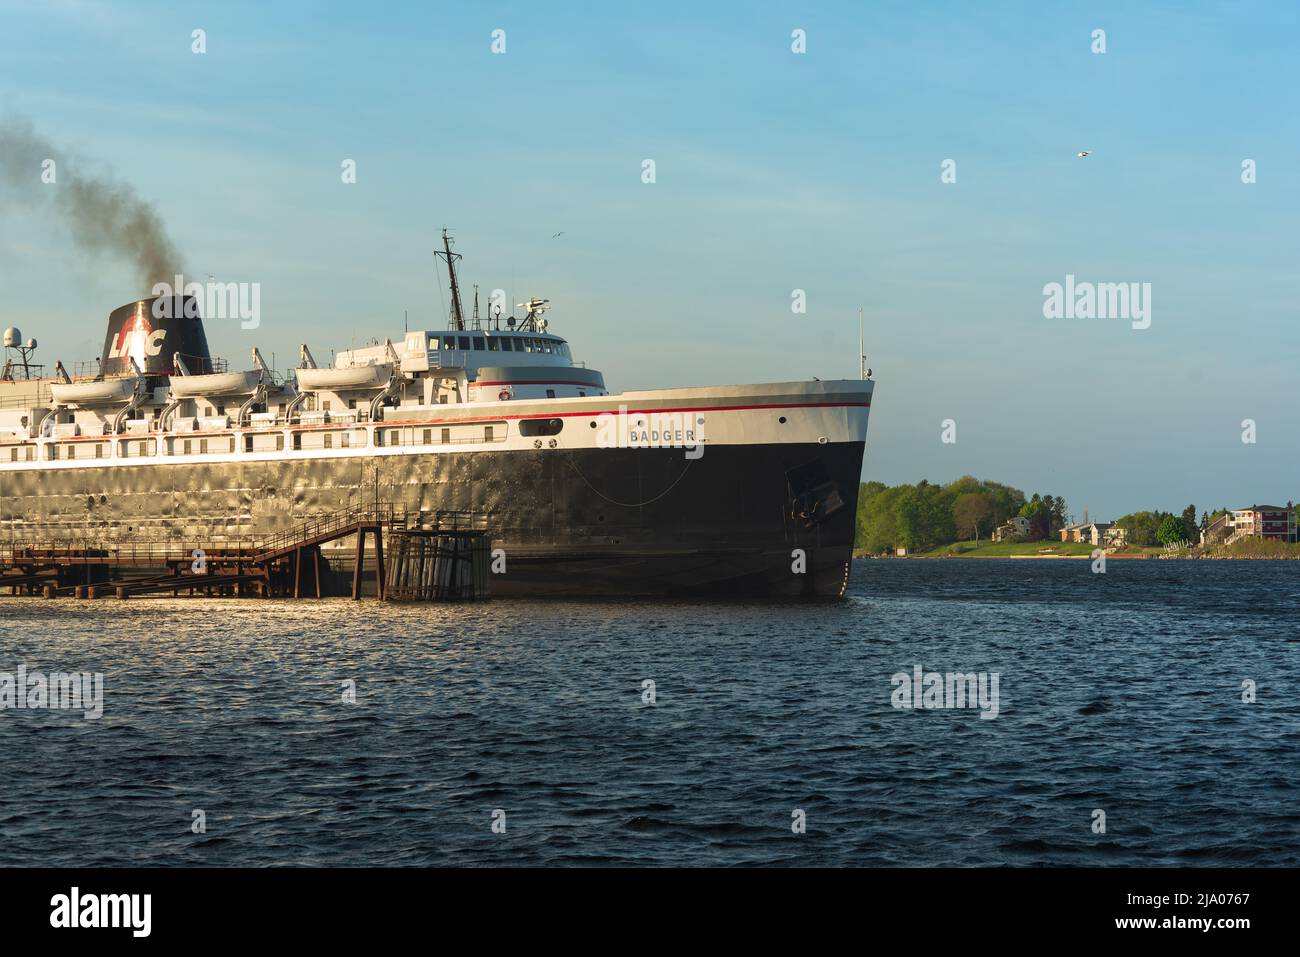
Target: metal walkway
{"points": [[284, 565]]}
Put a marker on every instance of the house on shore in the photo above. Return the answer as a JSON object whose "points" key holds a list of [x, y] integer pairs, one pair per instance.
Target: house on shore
{"points": [[1016, 526], [1095, 533], [1257, 521]]}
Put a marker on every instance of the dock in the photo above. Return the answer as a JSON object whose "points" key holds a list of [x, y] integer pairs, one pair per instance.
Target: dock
{"points": [[440, 558]]}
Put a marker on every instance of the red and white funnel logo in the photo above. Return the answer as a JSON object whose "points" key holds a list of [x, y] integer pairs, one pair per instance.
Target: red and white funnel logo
{"points": [[137, 340]]}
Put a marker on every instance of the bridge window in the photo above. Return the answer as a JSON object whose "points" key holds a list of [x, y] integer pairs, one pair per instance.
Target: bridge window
{"points": [[506, 346], [478, 343], [532, 427], [464, 342], [493, 344]]}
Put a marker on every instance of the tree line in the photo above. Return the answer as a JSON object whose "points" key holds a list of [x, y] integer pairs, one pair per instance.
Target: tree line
{"points": [[923, 516]]}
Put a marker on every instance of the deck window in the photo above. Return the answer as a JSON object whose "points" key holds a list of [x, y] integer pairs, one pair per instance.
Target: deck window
{"points": [[428, 436], [446, 436], [487, 433]]}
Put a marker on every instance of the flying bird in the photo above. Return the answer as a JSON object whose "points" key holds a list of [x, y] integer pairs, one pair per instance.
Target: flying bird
{"points": [[1084, 152], [558, 235]]}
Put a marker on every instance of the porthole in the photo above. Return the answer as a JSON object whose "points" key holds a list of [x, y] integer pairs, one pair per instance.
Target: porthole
{"points": [[781, 420]]}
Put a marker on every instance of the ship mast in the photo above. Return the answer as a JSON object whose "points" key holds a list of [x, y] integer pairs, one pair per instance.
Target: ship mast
{"points": [[458, 315], [862, 356]]}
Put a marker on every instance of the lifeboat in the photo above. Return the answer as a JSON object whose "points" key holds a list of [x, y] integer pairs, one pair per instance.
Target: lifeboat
{"points": [[353, 377], [102, 392], [216, 383]]}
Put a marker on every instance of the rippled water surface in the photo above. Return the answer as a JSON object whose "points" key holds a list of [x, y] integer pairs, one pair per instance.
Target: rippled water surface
{"points": [[1120, 692]]}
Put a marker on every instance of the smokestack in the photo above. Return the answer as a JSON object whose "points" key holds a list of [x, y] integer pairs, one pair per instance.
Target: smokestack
{"points": [[102, 214], [152, 331]]}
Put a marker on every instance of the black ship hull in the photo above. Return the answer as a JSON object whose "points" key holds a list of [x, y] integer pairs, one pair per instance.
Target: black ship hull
{"points": [[765, 520]]}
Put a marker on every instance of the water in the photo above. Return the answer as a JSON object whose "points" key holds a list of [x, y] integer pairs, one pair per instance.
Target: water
{"points": [[1119, 692]]}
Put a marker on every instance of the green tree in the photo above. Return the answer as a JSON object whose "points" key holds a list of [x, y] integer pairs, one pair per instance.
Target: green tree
{"points": [[971, 511], [1190, 533], [1170, 530], [1142, 527], [925, 514]]}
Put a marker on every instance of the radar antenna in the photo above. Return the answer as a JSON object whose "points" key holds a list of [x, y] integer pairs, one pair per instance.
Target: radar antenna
{"points": [[533, 321]]}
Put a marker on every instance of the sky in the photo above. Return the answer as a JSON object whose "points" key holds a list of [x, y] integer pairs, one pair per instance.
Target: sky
{"points": [[775, 171]]}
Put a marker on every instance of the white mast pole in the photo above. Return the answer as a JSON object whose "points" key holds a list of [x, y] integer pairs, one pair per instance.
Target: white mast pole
{"points": [[862, 358]]}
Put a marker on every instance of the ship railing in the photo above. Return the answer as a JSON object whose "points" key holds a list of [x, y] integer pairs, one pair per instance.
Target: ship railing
{"points": [[40, 399]]}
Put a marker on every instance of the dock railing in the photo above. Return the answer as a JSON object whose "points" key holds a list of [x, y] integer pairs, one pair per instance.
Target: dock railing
{"points": [[86, 549]]}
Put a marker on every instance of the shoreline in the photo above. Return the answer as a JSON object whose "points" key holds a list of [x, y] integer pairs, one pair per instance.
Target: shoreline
{"points": [[1110, 556]]}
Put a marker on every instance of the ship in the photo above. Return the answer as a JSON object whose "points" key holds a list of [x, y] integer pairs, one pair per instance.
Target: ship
{"points": [[728, 490]]}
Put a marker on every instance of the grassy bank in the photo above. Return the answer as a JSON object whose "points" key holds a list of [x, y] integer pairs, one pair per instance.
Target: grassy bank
{"points": [[1253, 548], [1249, 548], [1024, 550]]}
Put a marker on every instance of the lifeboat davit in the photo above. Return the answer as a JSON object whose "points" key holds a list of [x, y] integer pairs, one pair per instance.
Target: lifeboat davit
{"points": [[353, 377], [216, 383], [102, 392]]}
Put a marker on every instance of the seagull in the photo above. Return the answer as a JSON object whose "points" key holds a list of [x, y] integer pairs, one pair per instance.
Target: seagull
{"points": [[1083, 152], [558, 235]]}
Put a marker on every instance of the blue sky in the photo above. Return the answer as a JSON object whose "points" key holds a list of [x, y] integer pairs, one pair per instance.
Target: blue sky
{"points": [[775, 172]]}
